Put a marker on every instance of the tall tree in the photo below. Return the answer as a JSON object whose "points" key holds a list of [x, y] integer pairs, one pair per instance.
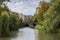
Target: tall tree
{"points": [[5, 24], [1, 1], [40, 10], [52, 16], [13, 21]]}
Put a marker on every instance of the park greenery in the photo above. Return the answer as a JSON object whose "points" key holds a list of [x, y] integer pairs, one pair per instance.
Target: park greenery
{"points": [[48, 16], [9, 21]]}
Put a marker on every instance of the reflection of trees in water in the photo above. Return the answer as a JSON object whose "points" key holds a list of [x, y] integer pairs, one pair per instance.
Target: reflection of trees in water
{"points": [[49, 36], [4, 38], [13, 33]]}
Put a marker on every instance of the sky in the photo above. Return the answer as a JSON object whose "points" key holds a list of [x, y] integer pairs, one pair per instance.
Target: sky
{"points": [[26, 7]]}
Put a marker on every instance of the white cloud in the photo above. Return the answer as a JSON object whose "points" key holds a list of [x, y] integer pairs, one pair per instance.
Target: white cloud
{"points": [[19, 3], [23, 7]]}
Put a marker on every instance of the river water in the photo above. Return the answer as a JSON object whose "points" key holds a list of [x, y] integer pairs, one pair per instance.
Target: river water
{"points": [[31, 34]]}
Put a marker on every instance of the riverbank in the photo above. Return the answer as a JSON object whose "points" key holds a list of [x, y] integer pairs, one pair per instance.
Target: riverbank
{"points": [[26, 33], [46, 29]]}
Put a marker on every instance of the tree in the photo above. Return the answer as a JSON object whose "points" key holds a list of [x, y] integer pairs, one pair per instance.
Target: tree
{"points": [[20, 23], [13, 21], [5, 9], [5, 24], [4, 21], [1, 1], [52, 16], [40, 10], [0, 25]]}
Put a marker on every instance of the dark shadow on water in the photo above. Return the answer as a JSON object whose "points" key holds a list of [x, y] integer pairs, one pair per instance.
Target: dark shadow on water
{"points": [[13, 34]]}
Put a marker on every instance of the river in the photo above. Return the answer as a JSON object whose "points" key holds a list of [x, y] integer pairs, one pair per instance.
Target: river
{"points": [[31, 34]]}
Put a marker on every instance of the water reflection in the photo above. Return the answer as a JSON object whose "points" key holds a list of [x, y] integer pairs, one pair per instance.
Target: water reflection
{"points": [[23, 34], [49, 36], [13, 34], [31, 34], [26, 34]]}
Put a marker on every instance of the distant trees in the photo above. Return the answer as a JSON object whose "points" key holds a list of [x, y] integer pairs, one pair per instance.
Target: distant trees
{"points": [[20, 23]]}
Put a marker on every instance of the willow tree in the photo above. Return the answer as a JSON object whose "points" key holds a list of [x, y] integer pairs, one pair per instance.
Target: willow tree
{"points": [[4, 28], [5, 24], [1, 3]]}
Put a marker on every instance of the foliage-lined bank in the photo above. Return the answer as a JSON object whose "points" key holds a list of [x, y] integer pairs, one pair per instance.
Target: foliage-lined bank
{"points": [[49, 19], [9, 21]]}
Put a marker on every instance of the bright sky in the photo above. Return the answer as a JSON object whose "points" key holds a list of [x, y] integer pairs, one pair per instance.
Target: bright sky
{"points": [[26, 7]]}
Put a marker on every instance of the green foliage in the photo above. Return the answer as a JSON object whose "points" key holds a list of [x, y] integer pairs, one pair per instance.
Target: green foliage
{"points": [[5, 9], [39, 27], [43, 7], [8, 21], [5, 24], [20, 23], [13, 21], [0, 25], [1, 1], [51, 17], [4, 21]]}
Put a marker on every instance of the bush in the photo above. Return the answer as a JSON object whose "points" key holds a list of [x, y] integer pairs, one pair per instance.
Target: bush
{"points": [[40, 27]]}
